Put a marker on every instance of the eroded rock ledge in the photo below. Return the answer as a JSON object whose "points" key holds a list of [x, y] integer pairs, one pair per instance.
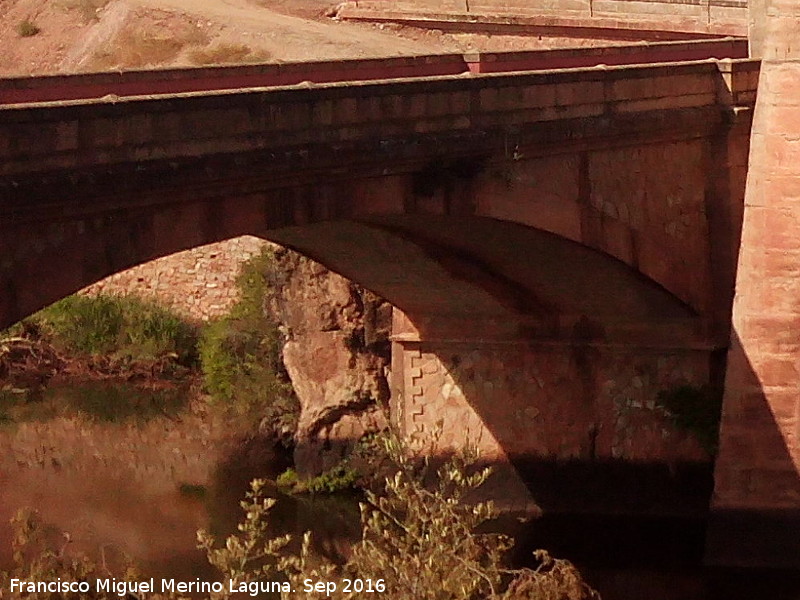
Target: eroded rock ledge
{"points": [[337, 354]]}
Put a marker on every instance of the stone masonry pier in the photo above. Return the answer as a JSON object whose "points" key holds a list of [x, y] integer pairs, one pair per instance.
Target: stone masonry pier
{"points": [[757, 495]]}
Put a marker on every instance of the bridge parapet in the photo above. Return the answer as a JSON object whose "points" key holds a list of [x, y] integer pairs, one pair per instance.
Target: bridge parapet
{"points": [[105, 131], [574, 150], [740, 81], [603, 19]]}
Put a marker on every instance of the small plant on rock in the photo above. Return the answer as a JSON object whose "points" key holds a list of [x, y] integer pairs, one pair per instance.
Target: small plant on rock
{"points": [[339, 478]]}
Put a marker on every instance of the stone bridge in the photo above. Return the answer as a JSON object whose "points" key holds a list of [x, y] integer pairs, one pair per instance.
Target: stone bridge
{"points": [[562, 243]]}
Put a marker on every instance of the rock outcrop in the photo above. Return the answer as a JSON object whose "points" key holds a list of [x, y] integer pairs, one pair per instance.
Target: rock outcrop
{"points": [[337, 354]]}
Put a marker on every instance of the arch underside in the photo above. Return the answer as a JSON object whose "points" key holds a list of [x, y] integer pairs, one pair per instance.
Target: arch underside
{"points": [[509, 281], [516, 280]]}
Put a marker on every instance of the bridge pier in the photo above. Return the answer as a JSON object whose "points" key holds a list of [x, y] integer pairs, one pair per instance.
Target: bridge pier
{"points": [[757, 489], [539, 407]]}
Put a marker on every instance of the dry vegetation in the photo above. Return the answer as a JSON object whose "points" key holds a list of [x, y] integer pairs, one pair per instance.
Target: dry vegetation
{"points": [[189, 44], [136, 47], [27, 28], [220, 54]]}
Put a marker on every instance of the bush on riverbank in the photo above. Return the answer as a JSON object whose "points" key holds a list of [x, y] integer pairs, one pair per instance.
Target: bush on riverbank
{"points": [[104, 353], [123, 327], [240, 356], [419, 540]]}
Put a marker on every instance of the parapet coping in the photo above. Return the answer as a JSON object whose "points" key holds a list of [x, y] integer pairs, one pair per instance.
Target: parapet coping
{"points": [[430, 84], [17, 90]]}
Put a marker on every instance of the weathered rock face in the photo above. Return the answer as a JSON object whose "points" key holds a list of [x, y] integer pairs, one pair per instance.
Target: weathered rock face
{"points": [[336, 352]]}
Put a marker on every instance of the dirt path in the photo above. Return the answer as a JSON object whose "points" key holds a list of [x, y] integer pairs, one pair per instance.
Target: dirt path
{"points": [[100, 35]]}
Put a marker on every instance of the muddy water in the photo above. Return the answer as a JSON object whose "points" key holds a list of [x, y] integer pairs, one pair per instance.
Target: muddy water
{"points": [[141, 483]]}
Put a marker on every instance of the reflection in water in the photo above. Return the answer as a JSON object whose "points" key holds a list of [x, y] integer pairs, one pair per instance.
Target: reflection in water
{"points": [[334, 520], [96, 401], [136, 472]]}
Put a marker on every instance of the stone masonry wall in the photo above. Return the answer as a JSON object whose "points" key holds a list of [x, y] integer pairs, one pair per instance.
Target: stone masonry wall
{"points": [[198, 283], [550, 401], [547, 408]]}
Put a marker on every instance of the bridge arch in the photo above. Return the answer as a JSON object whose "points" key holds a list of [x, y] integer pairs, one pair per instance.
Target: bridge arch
{"points": [[464, 257], [610, 306], [527, 341]]}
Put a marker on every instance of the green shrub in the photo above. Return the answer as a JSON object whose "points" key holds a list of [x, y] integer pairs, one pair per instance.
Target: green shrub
{"points": [[124, 327], [27, 28], [336, 479], [85, 324], [251, 285], [288, 480], [236, 352], [697, 410], [243, 346], [239, 369], [240, 355], [223, 354]]}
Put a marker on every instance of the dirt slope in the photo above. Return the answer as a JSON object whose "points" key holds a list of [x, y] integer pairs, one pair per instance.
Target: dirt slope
{"points": [[80, 35], [91, 35]]}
